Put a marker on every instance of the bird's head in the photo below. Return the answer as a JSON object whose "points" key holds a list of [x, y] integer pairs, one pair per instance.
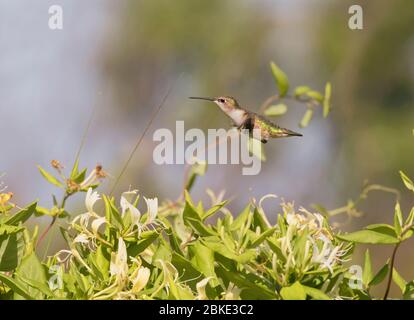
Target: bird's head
{"points": [[224, 102]]}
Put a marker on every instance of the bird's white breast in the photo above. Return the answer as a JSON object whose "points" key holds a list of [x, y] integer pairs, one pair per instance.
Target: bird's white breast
{"points": [[238, 116]]}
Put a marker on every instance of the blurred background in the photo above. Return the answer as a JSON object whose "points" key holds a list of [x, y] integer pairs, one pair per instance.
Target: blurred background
{"points": [[122, 55]]}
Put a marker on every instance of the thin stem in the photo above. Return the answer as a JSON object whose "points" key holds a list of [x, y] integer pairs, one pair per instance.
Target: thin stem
{"points": [[391, 270], [140, 139], [62, 206], [268, 101], [85, 133], [403, 232], [276, 97]]}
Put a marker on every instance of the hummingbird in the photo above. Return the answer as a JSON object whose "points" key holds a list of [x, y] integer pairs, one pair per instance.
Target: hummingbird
{"points": [[244, 119]]}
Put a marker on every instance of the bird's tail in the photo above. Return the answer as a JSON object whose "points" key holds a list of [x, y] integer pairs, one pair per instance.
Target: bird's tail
{"points": [[283, 132]]}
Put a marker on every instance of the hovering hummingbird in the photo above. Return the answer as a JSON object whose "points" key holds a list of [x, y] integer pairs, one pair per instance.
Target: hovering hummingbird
{"points": [[244, 119]]}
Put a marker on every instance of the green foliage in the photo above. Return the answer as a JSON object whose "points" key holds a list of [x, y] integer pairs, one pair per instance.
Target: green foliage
{"points": [[276, 110], [192, 250], [302, 94], [184, 250], [280, 78]]}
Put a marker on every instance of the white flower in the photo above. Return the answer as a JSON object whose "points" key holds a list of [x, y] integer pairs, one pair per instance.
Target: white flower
{"points": [[90, 200], [119, 265], [141, 279], [152, 205], [81, 238], [126, 199], [232, 292], [201, 289], [83, 220], [329, 255], [295, 219], [97, 223]]}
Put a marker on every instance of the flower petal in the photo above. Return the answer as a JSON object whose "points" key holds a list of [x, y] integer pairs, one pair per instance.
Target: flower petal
{"points": [[81, 238], [152, 205], [141, 280], [90, 200], [97, 223]]}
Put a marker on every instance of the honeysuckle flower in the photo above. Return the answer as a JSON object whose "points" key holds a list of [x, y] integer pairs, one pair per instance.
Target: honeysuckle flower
{"points": [[64, 251], [95, 174], [296, 220], [232, 292], [73, 253], [97, 223], [140, 280], [152, 205], [81, 238], [83, 220], [126, 199], [201, 289], [260, 208], [119, 265], [329, 254], [91, 198]]}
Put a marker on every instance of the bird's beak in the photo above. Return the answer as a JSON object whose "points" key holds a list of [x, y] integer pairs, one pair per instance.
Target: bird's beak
{"points": [[203, 98]]}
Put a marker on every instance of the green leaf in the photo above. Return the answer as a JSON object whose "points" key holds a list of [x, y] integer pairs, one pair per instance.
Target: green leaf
{"points": [[31, 269], [382, 228], [315, 294], [367, 274], [248, 282], [192, 218], [102, 260], [262, 237], [259, 220], [307, 117], [398, 220], [295, 292], [75, 170], [315, 95], [368, 236], [15, 286], [51, 179], [407, 181], [9, 252], [380, 276], [301, 90], [410, 218], [276, 110], [80, 176], [407, 234], [197, 169], [213, 210], [203, 259], [218, 246], [186, 268], [241, 219], [40, 211], [146, 239], [111, 213], [399, 280], [327, 100], [280, 78], [409, 291], [22, 216], [7, 230]]}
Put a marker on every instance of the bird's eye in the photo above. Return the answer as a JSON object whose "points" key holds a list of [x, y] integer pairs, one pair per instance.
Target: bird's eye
{"points": [[221, 100]]}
